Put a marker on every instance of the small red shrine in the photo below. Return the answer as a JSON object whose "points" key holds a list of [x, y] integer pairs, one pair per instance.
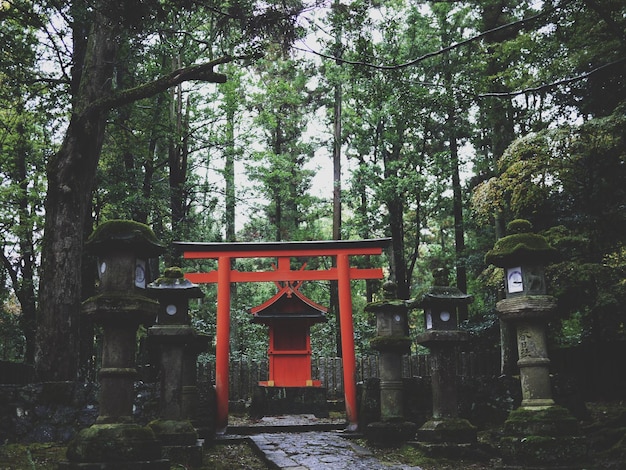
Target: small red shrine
{"points": [[289, 315]]}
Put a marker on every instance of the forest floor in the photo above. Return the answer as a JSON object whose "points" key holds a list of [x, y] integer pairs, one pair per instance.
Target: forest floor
{"points": [[604, 432]]}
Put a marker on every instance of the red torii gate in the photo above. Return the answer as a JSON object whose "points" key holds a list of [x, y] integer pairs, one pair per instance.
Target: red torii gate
{"points": [[341, 250]]}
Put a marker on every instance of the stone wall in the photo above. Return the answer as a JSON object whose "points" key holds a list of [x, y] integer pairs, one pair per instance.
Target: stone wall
{"points": [[46, 412], [56, 411]]}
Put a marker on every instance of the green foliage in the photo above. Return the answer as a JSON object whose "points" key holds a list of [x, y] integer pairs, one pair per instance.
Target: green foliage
{"points": [[12, 340], [169, 160]]}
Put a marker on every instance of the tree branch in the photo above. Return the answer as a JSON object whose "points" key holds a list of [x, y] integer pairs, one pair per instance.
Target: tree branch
{"points": [[547, 86], [201, 72]]}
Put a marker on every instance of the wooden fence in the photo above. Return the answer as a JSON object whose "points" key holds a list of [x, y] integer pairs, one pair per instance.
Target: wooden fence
{"points": [[246, 374]]}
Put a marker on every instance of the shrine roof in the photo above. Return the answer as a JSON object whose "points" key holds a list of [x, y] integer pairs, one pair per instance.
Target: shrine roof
{"points": [[288, 302], [286, 246]]}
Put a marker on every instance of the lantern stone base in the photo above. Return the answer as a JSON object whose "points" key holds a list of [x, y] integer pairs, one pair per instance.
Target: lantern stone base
{"points": [[179, 441], [390, 433], [541, 439], [115, 447], [447, 430], [447, 437], [275, 401]]}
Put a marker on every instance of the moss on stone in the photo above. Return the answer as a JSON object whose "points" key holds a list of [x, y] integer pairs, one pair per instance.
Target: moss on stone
{"points": [[174, 432], [543, 450], [390, 433], [519, 226], [386, 305], [125, 298], [128, 233], [551, 413], [520, 246], [114, 443], [398, 344]]}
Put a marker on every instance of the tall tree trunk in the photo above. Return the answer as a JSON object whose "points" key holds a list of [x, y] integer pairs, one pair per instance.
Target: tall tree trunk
{"points": [[71, 172], [229, 177], [337, 109], [178, 157], [499, 121], [24, 287], [395, 206]]}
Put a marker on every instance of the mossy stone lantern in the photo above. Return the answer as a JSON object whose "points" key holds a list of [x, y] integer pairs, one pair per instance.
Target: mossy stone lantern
{"points": [[123, 249], [391, 342], [538, 434], [441, 306], [523, 256], [176, 342], [173, 292]]}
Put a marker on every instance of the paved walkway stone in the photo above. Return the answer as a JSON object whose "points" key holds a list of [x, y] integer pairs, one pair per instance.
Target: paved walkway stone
{"points": [[317, 451]]}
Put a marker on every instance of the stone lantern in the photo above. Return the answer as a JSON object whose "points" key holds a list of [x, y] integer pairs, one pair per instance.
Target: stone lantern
{"points": [[391, 342], [177, 343], [123, 249], [441, 306], [523, 255], [538, 434]]}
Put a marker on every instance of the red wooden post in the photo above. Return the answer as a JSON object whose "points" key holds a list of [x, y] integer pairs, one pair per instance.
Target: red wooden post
{"points": [[347, 340], [223, 342]]}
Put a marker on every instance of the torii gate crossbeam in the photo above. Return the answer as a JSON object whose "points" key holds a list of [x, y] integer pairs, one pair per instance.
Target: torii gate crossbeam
{"points": [[340, 250]]}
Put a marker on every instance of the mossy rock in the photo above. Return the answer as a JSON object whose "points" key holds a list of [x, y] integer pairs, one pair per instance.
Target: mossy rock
{"points": [[129, 234], [390, 433], [174, 432], [449, 430], [397, 344], [551, 421], [618, 450], [114, 443], [543, 451]]}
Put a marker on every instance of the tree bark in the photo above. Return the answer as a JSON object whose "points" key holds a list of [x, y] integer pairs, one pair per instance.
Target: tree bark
{"points": [[499, 119], [71, 172]]}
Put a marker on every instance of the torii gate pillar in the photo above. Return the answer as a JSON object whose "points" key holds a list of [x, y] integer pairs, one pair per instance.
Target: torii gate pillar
{"points": [[343, 274]]}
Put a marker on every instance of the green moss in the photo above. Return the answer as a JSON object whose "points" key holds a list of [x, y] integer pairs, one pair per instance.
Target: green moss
{"points": [[519, 226], [174, 432], [171, 276], [399, 344], [133, 235], [38, 456], [173, 272], [543, 450], [390, 433], [551, 421], [394, 305], [116, 297], [526, 247], [552, 413], [114, 443]]}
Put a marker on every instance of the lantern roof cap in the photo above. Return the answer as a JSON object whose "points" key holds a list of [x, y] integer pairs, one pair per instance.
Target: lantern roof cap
{"points": [[443, 294], [114, 234], [173, 279], [520, 245]]}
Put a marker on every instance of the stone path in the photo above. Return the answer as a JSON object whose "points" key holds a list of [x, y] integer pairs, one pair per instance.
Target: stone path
{"points": [[303, 442], [317, 450]]}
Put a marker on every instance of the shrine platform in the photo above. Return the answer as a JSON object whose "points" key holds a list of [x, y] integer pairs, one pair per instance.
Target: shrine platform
{"points": [[278, 401]]}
